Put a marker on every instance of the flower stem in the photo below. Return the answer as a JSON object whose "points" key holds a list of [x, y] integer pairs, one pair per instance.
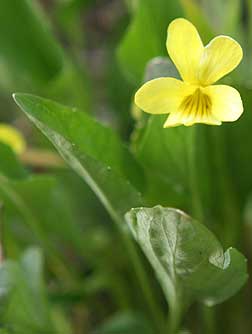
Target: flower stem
{"points": [[197, 209], [198, 212], [209, 321], [174, 318], [144, 283], [230, 210]]}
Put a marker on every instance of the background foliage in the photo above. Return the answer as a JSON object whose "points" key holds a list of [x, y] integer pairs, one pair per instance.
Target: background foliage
{"points": [[69, 261]]}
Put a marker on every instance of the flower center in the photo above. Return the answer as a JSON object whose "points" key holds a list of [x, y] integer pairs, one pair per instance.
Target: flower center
{"points": [[197, 105]]}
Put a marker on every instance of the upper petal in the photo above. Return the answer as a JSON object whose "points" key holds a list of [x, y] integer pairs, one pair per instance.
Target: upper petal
{"points": [[220, 57], [226, 102], [162, 95], [185, 48]]}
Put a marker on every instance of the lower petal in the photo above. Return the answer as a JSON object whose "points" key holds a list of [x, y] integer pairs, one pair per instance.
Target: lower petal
{"points": [[162, 95], [176, 119], [226, 102], [195, 108]]}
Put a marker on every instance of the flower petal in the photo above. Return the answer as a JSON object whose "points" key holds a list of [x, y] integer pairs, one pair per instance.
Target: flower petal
{"points": [[162, 95], [12, 137], [195, 108], [220, 57], [185, 49], [226, 102], [175, 120]]}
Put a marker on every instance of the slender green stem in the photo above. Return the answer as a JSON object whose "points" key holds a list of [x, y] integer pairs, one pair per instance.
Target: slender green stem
{"points": [[144, 283], [175, 310], [174, 318], [229, 207], [198, 212], [231, 214], [58, 263], [197, 208], [208, 315], [1, 233]]}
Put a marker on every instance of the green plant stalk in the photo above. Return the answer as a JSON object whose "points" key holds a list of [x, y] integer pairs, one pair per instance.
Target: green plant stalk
{"points": [[209, 319], [197, 208], [231, 214], [1, 233], [248, 4], [174, 317], [145, 285], [58, 264], [198, 212], [175, 309], [116, 283], [230, 210]]}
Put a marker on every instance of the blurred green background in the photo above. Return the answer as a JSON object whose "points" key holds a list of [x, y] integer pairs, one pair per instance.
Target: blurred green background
{"points": [[67, 260]]}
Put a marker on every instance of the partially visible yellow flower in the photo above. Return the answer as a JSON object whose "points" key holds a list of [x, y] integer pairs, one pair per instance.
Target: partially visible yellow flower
{"points": [[195, 99], [13, 138]]}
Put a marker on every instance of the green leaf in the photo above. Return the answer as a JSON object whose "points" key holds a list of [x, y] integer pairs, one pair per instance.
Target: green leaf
{"points": [[125, 323], [230, 23], [29, 52], [185, 167], [146, 35], [92, 150], [196, 15], [238, 153], [188, 260], [168, 146], [10, 166], [23, 301], [26, 218], [32, 58]]}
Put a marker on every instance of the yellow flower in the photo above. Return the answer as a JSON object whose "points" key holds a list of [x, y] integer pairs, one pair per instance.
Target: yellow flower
{"points": [[13, 138], [195, 99]]}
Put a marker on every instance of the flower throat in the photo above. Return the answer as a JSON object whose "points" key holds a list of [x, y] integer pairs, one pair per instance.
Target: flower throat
{"points": [[196, 105]]}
